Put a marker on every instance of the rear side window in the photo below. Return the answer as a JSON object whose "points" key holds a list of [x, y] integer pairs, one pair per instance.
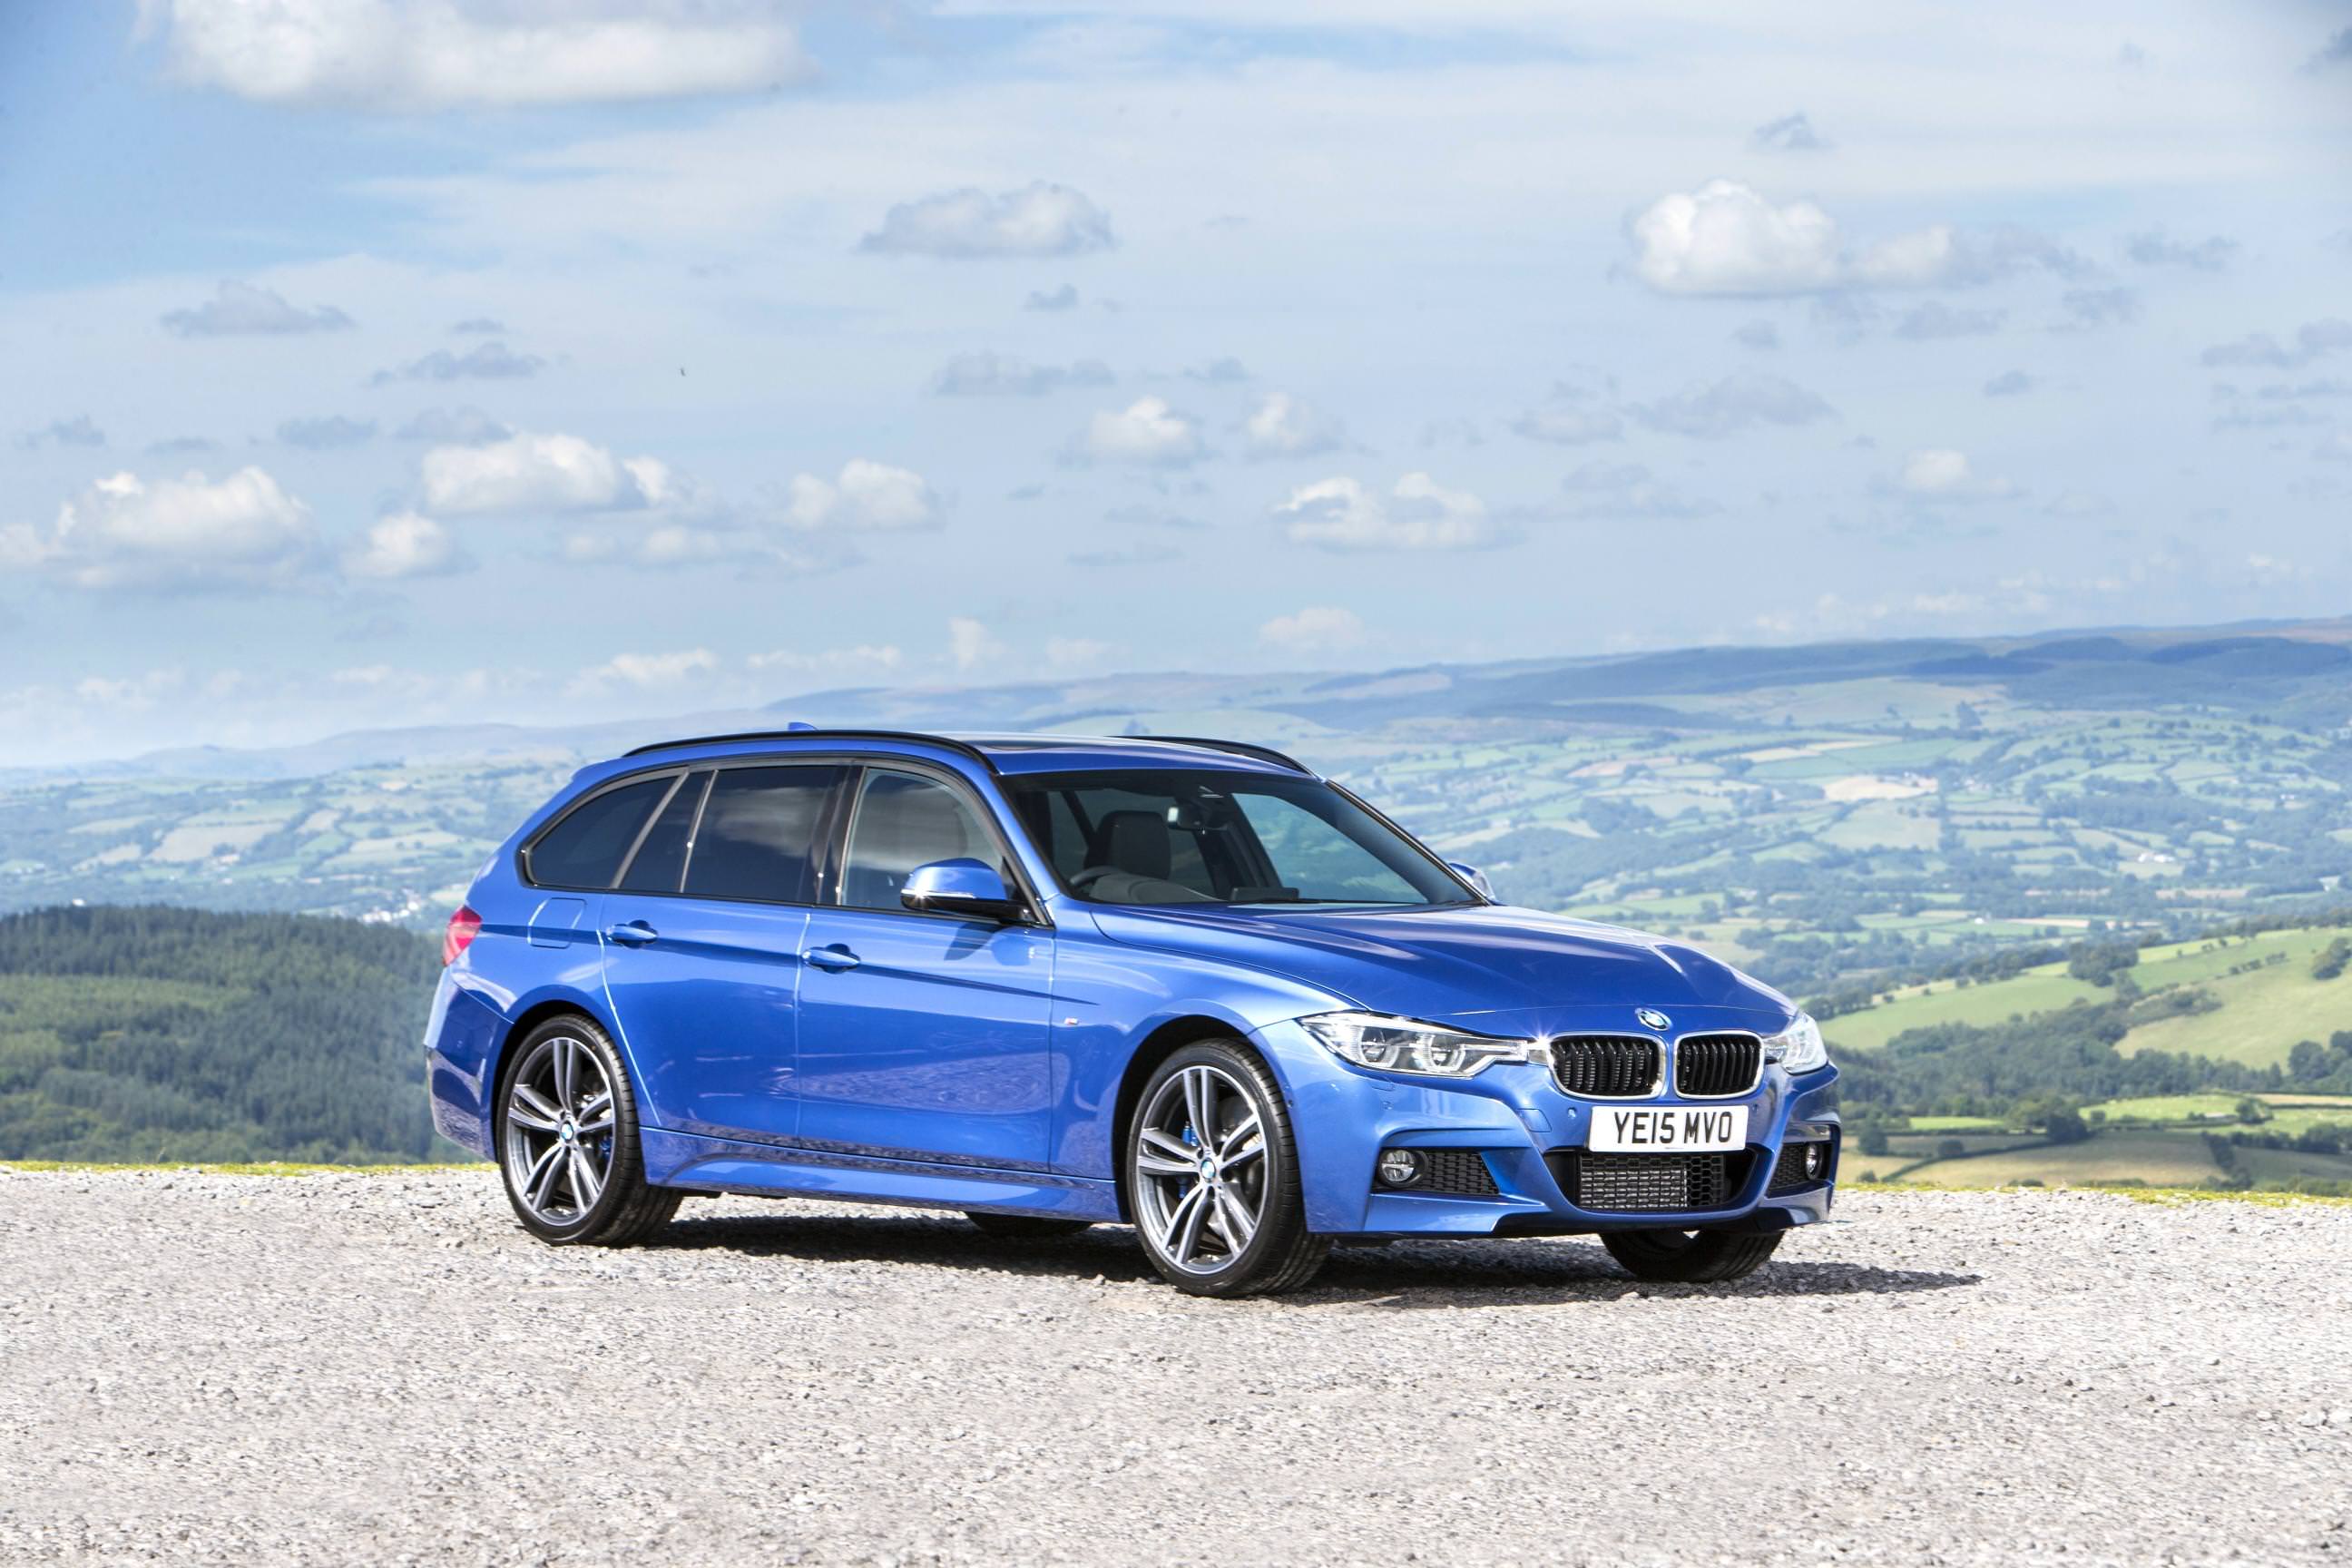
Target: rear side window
{"points": [[757, 829], [585, 847], [660, 861]]}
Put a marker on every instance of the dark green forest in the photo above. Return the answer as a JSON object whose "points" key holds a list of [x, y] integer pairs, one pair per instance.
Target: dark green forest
{"points": [[154, 1033]]}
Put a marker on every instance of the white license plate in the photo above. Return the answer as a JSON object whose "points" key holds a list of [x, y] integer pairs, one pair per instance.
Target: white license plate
{"points": [[1678, 1129]]}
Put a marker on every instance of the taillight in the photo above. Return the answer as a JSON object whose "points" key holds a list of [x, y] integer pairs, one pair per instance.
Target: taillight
{"points": [[464, 926]]}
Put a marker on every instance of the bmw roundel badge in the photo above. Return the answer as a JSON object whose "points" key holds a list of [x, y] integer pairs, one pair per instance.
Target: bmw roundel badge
{"points": [[1651, 1018]]}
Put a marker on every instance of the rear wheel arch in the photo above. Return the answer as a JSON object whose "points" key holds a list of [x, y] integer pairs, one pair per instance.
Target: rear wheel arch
{"points": [[530, 1018]]}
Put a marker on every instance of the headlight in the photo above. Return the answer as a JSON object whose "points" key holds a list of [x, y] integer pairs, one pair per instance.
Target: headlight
{"points": [[1402, 1044], [1798, 1048]]}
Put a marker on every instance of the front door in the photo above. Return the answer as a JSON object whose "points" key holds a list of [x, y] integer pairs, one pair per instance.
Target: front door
{"points": [[702, 941], [922, 1036]]}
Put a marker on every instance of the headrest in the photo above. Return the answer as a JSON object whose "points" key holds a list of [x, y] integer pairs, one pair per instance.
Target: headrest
{"points": [[1137, 842]]}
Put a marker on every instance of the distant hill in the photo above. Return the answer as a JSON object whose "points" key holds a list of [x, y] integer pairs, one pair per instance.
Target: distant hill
{"points": [[148, 1033], [1827, 816], [2299, 672]]}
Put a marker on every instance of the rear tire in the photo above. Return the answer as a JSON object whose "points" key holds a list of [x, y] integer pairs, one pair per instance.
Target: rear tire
{"points": [[1025, 1226], [1689, 1257], [567, 1140], [1218, 1206]]}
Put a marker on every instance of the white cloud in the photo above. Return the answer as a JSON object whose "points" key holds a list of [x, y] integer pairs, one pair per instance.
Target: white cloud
{"points": [[1933, 319], [2157, 249], [1569, 425], [491, 361], [542, 473], [1148, 433], [1077, 653], [866, 658], [405, 544], [1943, 474], [1790, 133], [2312, 340], [1740, 401], [987, 374], [78, 431], [189, 532], [1628, 489], [865, 495], [422, 54], [326, 433], [1064, 298], [238, 309], [970, 645], [2336, 449], [1341, 513], [1317, 628], [647, 671], [1038, 219], [1283, 426], [1727, 238]]}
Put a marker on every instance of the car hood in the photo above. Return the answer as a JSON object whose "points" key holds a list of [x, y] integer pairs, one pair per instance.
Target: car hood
{"points": [[1483, 966]]}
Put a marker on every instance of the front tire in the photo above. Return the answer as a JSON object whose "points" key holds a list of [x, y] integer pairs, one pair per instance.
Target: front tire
{"points": [[567, 1140], [1211, 1176], [1689, 1257]]}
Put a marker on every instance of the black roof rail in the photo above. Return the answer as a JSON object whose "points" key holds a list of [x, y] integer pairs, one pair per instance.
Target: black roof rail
{"points": [[1238, 748], [810, 734]]}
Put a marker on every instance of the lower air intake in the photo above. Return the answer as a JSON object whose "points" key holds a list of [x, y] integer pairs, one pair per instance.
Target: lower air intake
{"points": [[1647, 1183]]}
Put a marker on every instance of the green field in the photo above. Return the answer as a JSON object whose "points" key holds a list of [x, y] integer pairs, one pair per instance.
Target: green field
{"points": [[2258, 1013], [2157, 1158], [2040, 990]]}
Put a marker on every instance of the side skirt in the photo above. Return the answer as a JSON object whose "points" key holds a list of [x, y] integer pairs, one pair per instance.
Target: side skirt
{"points": [[695, 1164]]}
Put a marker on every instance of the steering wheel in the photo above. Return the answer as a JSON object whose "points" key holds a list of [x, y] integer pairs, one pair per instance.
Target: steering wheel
{"points": [[1091, 875]]}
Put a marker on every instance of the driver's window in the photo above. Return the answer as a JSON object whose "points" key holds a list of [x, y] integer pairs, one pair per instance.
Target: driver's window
{"points": [[903, 821]]}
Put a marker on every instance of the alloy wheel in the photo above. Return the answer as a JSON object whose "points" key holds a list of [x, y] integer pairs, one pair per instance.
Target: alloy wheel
{"points": [[559, 1130], [1201, 1164]]}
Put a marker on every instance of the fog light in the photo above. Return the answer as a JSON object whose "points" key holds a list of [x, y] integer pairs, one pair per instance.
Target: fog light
{"points": [[1816, 1155], [1399, 1167]]}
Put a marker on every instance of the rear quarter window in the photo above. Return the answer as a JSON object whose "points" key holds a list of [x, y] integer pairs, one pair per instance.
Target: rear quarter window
{"points": [[587, 843]]}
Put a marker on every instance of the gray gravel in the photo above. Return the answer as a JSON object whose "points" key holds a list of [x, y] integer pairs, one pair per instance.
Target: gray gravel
{"points": [[340, 1369]]}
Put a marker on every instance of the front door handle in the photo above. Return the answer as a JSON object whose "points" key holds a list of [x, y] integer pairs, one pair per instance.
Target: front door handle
{"points": [[836, 958], [636, 933]]}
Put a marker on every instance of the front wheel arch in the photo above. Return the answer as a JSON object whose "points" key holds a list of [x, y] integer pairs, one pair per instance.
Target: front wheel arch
{"points": [[1164, 1041]]}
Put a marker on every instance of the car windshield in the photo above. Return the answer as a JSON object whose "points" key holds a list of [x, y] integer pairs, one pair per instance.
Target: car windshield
{"points": [[1194, 836]]}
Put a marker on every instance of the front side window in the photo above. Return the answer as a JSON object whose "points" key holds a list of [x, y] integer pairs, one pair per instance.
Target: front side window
{"points": [[585, 846], [903, 821], [1198, 835], [758, 833]]}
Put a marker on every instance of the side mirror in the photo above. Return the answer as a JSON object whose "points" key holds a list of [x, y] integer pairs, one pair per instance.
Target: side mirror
{"points": [[961, 887], [1472, 875]]}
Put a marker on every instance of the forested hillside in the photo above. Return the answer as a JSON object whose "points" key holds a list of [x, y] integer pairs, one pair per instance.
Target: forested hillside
{"points": [[151, 1033]]}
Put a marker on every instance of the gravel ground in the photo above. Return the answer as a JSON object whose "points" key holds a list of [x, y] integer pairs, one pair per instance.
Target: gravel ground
{"points": [[346, 1368]]}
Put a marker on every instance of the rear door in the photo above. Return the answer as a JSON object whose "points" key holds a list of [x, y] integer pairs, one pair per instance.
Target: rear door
{"points": [[702, 941], [922, 1036]]}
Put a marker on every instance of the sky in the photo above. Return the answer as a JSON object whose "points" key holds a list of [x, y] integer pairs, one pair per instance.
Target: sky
{"points": [[381, 363]]}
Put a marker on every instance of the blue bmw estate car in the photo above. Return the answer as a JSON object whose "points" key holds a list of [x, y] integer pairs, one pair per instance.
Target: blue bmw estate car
{"points": [[1051, 982]]}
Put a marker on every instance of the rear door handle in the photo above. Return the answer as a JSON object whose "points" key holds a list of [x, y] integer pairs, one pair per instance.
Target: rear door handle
{"points": [[836, 958], [636, 933]]}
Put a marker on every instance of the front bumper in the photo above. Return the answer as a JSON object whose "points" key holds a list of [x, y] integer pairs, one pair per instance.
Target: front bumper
{"points": [[1513, 1116]]}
